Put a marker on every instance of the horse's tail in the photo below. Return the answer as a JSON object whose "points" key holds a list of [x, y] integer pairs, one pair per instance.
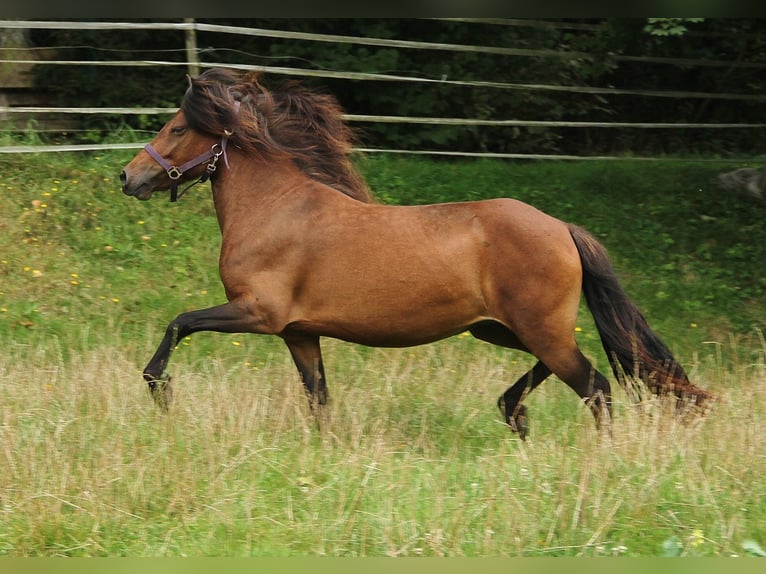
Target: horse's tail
{"points": [[632, 347]]}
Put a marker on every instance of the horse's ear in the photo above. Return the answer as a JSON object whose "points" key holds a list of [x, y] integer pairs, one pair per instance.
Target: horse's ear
{"points": [[191, 82]]}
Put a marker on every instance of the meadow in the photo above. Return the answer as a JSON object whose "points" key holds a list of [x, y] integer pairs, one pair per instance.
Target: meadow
{"points": [[412, 457]]}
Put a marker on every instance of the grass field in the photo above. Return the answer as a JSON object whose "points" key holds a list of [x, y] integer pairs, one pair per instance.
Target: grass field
{"points": [[412, 458]]}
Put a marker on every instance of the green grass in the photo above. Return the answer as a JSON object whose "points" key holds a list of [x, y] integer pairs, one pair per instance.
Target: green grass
{"points": [[412, 459]]}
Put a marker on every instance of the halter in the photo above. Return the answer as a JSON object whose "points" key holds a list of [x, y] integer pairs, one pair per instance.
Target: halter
{"points": [[175, 173], [211, 156]]}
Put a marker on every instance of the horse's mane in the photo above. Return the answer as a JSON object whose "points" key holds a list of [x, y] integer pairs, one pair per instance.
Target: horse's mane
{"points": [[292, 121]]}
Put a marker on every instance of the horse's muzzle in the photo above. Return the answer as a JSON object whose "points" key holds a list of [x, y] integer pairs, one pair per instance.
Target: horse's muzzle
{"points": [[139, 190]]}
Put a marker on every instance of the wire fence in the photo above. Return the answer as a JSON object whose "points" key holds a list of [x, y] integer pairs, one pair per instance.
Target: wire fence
{"points": [[194, 61]]}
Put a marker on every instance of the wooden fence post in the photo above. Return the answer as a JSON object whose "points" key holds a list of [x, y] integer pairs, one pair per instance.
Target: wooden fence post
{"points": [[191, 49]]}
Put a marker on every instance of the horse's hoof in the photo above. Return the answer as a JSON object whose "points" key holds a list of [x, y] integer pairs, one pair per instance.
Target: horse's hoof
{"points": [[162, 392], [520, 423]]}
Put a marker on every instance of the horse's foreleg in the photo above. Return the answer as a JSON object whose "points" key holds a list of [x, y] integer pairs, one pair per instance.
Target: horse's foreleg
{"points": [[227, 318], [307, 356], [510, 402]]}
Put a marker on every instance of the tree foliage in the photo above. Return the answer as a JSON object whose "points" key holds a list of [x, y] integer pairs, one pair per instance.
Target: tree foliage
{"points": [[669, 26]]}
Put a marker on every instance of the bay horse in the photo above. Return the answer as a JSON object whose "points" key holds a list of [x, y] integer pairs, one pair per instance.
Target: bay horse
{"points": [[307, 252]]}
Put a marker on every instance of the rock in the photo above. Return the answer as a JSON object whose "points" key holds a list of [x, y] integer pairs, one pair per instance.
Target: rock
{"points": [[747, 180]]}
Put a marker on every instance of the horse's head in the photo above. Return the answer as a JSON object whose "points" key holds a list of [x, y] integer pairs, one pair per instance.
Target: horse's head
{"points": [[177, 154], [222, 106]]}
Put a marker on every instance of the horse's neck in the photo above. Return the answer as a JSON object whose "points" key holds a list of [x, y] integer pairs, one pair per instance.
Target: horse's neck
{"points": [[250, 193]]}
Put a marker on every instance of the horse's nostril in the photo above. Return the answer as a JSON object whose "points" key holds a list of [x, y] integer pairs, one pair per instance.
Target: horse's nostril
{"points": [[123, 178]]}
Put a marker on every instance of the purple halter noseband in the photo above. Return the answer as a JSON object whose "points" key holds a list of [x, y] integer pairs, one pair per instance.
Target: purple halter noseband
{"points": [[211, 156]]}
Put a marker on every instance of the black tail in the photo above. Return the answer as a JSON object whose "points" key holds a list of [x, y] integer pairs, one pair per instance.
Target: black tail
{"points": [[632, 347]]}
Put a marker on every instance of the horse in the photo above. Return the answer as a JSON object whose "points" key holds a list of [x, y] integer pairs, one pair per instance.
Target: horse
{"points": [[308, 252]]}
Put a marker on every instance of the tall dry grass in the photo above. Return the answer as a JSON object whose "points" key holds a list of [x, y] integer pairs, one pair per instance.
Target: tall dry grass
{"points": [[411, 459]]}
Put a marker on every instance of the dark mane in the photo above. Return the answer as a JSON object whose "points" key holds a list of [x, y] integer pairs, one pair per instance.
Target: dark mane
{"points": [[292, 121]]}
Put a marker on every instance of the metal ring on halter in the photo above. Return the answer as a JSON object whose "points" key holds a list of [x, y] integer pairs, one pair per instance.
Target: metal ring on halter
{"points": [[174, 173]]}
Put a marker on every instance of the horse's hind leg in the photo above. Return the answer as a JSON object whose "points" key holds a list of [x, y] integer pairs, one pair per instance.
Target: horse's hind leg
{"points": [[557, 354], [572, 367], [576, 372], [509, 402]]}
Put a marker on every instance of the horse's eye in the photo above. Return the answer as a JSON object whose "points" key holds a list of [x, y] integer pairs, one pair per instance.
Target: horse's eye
{"points": [[178, 130]]}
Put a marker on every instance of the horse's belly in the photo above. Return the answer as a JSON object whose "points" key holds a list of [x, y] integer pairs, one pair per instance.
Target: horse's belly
{"points": [[383, 318]]}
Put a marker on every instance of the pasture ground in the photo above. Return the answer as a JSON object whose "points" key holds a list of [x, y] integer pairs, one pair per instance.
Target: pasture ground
{"points": [[412, 458]]}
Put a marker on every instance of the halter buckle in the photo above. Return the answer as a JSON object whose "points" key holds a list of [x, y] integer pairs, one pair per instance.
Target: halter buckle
{"points": [[213, 163]]}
